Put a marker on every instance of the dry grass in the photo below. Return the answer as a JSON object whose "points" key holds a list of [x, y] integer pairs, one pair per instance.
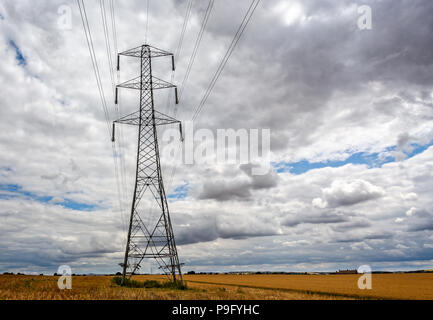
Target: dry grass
{"points": [[222, 287]]}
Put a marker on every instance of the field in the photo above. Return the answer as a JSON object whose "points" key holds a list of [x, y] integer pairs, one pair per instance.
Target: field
{"points": [[251, 287]]}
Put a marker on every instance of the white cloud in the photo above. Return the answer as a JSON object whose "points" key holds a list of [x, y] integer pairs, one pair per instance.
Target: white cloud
{"points": [[360, 246], [347, 193], [411, 211], [411, 196], [296, 243], [319, 203], [291, 12]]}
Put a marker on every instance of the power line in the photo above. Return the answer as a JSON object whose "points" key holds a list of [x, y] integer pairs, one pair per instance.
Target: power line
{"points": [[178, 51], [113, 25], [107, 42], [224, 61], [196, 46], [116, 51], [184, 26], [95, 65], [121, 140], [222, 65], [89, 39], [191, 62], [147, 20], [119, 163], [192, 58]]}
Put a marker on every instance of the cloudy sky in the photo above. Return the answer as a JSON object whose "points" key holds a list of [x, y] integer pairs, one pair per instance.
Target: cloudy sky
{"points": [[350, 113]]}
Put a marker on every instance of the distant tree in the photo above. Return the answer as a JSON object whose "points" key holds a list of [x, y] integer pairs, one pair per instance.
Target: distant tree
{"points": [[41, 274], [191, 272], [118, 274], [55, 274]]}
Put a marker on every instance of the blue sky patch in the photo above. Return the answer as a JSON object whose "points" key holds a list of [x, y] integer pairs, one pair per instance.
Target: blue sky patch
{"points": [[417, 149], [76, 205], [180, 192], [18, 54], [372, 160], [12, 191]]}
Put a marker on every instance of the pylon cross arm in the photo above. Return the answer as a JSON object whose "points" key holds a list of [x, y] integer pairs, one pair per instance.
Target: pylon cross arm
{"points": [[154, 52], [134, 119], [131, 119], [163, 119], [171, 265], [155, 84]]}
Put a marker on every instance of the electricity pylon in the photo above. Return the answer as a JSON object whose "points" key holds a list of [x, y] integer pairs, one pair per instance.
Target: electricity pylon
{"points": [[150, 232]]}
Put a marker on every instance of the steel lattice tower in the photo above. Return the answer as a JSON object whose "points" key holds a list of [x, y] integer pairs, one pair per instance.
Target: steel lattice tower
{"points": [[150, 232]]}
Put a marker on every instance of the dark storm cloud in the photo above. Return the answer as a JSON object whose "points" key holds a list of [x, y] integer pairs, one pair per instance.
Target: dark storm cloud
{"points": [[376, 236], [286, 259], [204, 228], [314, 60], [225, 191], [266, 181], [46, 236], [347, 227], [238, 187], [321, 218], [420, 220], [426, 226]]}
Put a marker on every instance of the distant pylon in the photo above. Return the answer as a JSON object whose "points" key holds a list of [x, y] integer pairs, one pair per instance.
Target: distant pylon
{"points": [[150, 232]]}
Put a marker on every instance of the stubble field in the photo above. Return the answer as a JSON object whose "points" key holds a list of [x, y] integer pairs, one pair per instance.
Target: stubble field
{"points": [[222, 287]]}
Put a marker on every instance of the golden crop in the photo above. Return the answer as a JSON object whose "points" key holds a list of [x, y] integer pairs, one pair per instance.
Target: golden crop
{"points": [[385, 286]]}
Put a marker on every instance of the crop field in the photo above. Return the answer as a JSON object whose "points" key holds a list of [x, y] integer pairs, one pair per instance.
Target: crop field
{"points": [[384, 286], [221, 287]]}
